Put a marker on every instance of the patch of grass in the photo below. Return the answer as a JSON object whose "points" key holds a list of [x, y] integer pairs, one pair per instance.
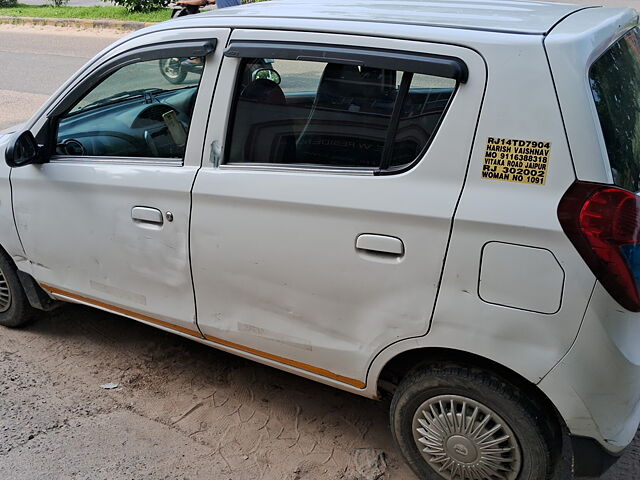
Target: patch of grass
{"points": [[117, 13]]}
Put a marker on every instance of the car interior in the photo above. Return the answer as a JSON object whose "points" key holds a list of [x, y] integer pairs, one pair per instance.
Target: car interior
{"points": [[345, 123], [138, 111], [155, 126], [352, 118]]}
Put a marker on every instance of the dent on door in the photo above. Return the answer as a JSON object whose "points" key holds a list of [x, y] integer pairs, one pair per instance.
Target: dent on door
{"points": [[317, 271], [91, 240], [113, 232]]}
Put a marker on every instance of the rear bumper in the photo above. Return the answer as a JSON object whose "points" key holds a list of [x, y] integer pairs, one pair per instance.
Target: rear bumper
{"points": [[590, 459], [596, 386]]}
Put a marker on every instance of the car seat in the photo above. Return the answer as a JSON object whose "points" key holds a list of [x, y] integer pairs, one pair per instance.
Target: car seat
{"points": [[262, 129]]}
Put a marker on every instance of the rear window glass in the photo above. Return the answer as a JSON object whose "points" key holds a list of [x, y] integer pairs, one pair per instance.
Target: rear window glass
{"points": [[615, 83], [308, 113]]}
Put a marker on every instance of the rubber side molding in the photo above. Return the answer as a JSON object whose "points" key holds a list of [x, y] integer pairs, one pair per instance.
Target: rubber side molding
{"points": [[37, 297]]}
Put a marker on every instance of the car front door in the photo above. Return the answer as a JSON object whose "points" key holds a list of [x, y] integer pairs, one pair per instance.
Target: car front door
{"points": [[105, 220], [320, 223]]}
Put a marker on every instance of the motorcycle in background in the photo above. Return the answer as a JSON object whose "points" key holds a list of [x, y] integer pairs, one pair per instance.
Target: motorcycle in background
{"points": [[188, 7], [175, 69]]}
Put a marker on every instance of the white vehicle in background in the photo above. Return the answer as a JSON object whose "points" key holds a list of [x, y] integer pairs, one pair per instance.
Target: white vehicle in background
{"points": [[433, 202]]}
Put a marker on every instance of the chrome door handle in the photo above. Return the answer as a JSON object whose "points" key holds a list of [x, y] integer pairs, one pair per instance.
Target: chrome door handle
{"points": [[380, 244], [147, 215]]}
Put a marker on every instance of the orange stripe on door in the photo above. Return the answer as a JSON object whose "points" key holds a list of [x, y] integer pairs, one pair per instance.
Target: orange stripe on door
{"points": [[122, 311], [286, 361]]}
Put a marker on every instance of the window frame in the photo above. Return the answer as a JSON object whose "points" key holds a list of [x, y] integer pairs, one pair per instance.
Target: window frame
{"points": [[406, 63], [436, 65], [156, 51]]}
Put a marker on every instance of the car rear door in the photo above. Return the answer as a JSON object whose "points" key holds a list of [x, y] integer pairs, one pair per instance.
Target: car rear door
{"points": [[306, 252]]}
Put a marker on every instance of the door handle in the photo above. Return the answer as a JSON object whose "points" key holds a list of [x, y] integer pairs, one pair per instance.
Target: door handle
{"points": [[147, 215], [384, 244]]}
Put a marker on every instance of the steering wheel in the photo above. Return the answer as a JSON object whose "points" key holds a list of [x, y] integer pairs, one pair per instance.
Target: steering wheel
{"points": [[160, 119], [71, 146]]}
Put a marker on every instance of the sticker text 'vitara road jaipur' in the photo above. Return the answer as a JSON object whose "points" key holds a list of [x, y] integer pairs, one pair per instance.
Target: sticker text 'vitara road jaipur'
{"points": [[520, 161]]}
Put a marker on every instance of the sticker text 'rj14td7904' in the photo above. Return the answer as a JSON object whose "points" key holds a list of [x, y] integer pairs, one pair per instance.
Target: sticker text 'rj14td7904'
{"points": [[520, 161]]}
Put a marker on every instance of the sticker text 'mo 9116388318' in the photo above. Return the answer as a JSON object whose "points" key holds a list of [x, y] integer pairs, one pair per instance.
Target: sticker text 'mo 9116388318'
{"points": [[513, 160]]}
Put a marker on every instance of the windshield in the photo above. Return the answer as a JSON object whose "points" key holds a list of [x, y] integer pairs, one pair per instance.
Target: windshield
{"points": [[615, 83]]}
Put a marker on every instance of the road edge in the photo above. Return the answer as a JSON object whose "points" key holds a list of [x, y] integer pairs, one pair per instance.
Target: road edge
{"points": [[77, 22]]}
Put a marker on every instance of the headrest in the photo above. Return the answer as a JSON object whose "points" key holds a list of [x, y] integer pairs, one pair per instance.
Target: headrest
{"points": [[264, 91], [337, 83]]}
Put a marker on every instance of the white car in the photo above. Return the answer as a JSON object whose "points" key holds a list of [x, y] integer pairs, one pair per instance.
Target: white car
{"points": [[432, 201]]}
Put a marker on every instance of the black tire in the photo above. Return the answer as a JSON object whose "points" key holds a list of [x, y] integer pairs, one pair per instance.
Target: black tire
{"points": [[533, 431], [172, 70], [19, 311]]}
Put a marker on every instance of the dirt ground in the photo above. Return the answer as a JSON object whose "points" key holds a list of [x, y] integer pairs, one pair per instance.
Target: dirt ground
{"points": [[181, 410]]}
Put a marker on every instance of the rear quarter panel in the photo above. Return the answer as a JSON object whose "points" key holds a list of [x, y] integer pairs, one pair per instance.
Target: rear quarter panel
{"points": [[520, 103]]}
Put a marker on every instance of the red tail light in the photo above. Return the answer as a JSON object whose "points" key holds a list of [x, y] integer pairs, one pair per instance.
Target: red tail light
{"points": [[603, 223]]}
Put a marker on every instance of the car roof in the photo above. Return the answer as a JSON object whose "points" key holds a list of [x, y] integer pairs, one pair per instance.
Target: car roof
{"points": [[513, 16]]}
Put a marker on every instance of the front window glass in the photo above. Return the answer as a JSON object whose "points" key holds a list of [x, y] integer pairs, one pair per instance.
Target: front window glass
{"points": [[334, 115], [615, 83], [141, 110]]}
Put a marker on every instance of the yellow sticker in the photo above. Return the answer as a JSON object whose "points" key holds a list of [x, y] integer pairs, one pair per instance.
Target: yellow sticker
{"points": [[520, 161]]}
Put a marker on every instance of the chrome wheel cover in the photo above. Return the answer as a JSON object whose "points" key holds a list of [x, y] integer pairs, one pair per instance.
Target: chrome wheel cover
{"points": [[5, 294], [462, 439]]}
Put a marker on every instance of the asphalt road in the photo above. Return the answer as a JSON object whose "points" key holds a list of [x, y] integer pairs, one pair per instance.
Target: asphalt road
{"points": [[36, 61], [163, 421]]}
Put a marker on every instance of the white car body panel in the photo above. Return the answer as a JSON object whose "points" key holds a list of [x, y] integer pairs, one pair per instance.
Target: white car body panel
{"points": [[75, 219], [462, 321], [494, 15], [274, 262], [77, 229], [596, 386], [521, 214]]}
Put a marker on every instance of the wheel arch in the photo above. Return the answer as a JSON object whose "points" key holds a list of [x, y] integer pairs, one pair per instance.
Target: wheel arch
{"points": [[37, 297], [398, 366]]}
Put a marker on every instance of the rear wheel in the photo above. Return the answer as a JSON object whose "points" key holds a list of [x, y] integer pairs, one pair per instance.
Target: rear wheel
{"points": [[457, 423], [15, 309]]}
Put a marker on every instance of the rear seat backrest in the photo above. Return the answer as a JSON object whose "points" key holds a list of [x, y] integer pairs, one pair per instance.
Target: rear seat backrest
{"points": [[349, 119], [263, 132]]}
